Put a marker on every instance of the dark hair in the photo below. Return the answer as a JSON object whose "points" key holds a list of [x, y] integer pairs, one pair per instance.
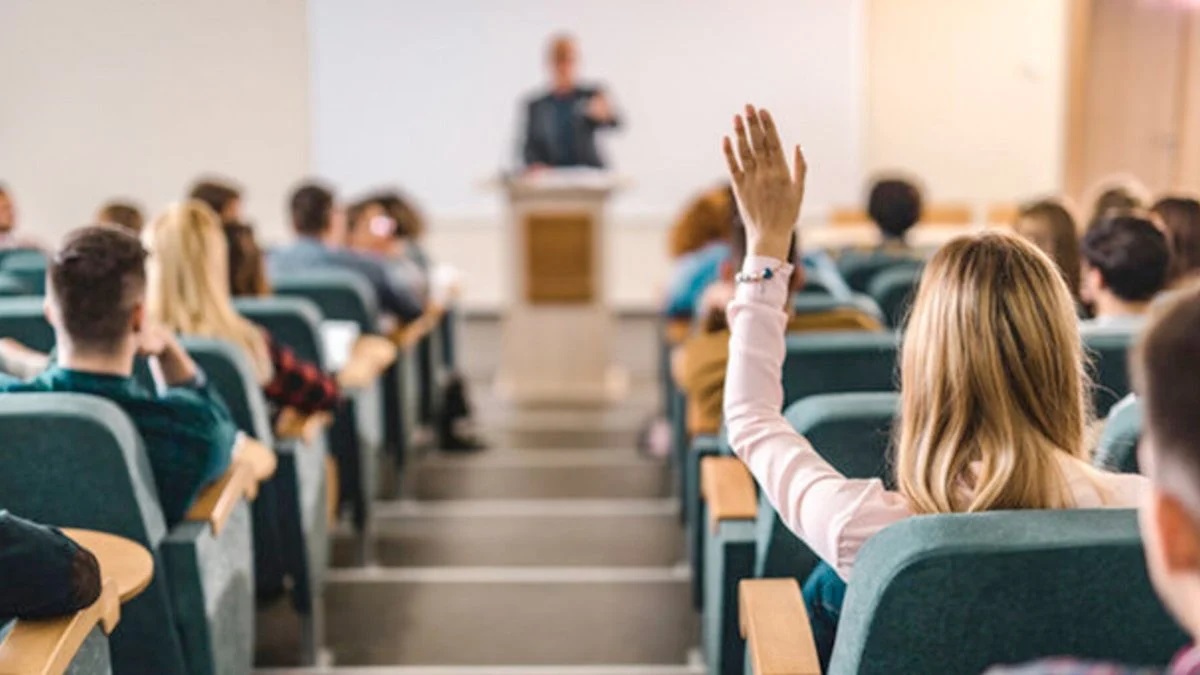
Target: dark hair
{"points": [[409, 222], [1064, 234], [1114, 200], [217, 194], [97, 278], [1131, 254], [312, 209], [1166, 373], [247, 274], [123, 213], [895, 206], [1181, 216]]}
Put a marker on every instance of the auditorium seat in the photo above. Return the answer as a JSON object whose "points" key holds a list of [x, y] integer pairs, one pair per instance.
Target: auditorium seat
{"points": [[858, 268], [290, 528], [1109, 369], [894, 290], [24, 320], [853, 433], [197, 615], [296, 323], [28, 267], [951, 594], [1117, 450], [835, 362]]}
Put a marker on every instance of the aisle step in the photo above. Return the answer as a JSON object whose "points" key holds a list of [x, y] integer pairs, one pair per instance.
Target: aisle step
{"points": [[631, 478], [509, 616], [565, 532]]}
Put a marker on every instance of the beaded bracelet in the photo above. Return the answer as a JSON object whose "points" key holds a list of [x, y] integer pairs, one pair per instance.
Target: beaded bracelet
{"points": [[756, 277]]}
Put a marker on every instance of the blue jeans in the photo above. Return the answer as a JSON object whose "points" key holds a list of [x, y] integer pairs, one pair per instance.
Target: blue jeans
{"points": [[824, 592]]}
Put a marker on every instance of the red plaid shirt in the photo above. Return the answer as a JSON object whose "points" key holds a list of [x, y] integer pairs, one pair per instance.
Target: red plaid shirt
{"points": [[298, 384]]}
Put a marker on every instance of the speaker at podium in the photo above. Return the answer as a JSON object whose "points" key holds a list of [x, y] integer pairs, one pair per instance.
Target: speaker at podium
{"points": [[557, 331]]}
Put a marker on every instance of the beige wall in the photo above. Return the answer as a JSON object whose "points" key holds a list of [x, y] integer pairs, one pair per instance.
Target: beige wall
{"points": [[968, 94], [133, 97]]}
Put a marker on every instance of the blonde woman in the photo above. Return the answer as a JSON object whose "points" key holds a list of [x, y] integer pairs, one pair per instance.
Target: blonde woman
{"points": [[993, 387], [188, 292]]}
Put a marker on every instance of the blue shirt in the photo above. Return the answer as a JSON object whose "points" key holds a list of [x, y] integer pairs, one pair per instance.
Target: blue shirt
{"points": [[307, 253], [693, 273]]}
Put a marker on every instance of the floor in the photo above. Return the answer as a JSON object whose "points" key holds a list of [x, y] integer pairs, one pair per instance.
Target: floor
{"points": [[558, 550]]}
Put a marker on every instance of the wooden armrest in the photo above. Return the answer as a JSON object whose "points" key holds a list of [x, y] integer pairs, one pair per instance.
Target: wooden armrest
{"points": [[406, 337], [126, 563], [775, 624], [216, 502], [47, 646], [369, 357], [677, 331], [258, 457], [294, 425], [728, 489]]}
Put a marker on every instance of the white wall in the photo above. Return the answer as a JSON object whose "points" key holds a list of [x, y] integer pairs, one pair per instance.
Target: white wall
{"points": [[134, 97], [970, 94], [427, 94]]}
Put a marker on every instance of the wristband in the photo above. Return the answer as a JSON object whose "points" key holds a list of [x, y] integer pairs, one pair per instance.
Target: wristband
{"points": [[765, 274]]}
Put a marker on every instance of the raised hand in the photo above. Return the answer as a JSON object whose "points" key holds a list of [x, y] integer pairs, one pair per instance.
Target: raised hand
{"points": [[769, 194]]}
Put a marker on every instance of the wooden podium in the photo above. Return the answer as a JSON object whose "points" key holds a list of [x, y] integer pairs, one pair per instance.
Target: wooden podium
{"points": [[557, 331]]}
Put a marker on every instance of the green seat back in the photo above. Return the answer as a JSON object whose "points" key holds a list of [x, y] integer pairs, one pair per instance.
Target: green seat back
{"points": [[952, 594], [837, 362], [1109, 369], [858, 268], [229, 371], [295, 322], [1117, 450], [340, 294], [24, 320], [12, 287], [28, 267], [894, 289], [853, 433]]}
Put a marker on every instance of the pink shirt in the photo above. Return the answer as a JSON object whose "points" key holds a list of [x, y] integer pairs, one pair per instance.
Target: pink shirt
{"points": [[833, 514]]}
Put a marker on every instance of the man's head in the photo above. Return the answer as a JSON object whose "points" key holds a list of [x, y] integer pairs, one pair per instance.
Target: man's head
{"points": [[313, 212], [1126, 259], [895, 206], [97, 288], [1166, 371], [123, 213], [8, 212], [563, 57], [222, 197]]}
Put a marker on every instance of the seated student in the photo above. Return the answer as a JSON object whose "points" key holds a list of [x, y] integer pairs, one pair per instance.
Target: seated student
{"points": [[319, 244], [1125, 264], [994, 408], [698, 364], [9, 237], [42, 572], [699, 246], [189, 294], [96, 303], [373, 231], [1180, 217], [1050, 226], [894, 205], [1117, 195], [123, 213], [247, 274], [1166, 373]]}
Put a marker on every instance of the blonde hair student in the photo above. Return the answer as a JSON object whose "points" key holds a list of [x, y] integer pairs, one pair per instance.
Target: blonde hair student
{"points": [[188, 275]]}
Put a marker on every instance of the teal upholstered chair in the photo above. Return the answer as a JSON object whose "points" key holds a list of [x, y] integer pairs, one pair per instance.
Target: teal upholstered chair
{"points": [[1117, 450], [27, 267], [344, 295], [858, 268], [894, 290], [197, 615], [827, 363], [296, 323], [852, 432], [1109, 353], [12, 287], [290, 530], [24, 320], [958, 593]]}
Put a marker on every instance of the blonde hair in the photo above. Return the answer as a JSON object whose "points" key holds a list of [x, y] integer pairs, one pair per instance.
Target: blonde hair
{"points": [[188, 282], [993, 381]]}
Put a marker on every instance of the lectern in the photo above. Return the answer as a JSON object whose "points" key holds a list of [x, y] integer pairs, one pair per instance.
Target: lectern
{"points": [[556, 344]]}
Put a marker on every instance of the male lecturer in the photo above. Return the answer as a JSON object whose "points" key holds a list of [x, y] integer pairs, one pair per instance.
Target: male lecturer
{"points": [[560, 126]]}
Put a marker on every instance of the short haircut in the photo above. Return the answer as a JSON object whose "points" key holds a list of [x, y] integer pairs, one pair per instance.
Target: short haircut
{"points": [[409, 222], [312, 209], [895, 206], [216, 193], [1181, 216], [1166, 374], [1113, 201], [1131, 255], [123, 213], [97, 278]]}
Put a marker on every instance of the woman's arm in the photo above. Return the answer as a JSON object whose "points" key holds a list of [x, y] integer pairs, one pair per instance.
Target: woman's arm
{"points": [[834, 515]]}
